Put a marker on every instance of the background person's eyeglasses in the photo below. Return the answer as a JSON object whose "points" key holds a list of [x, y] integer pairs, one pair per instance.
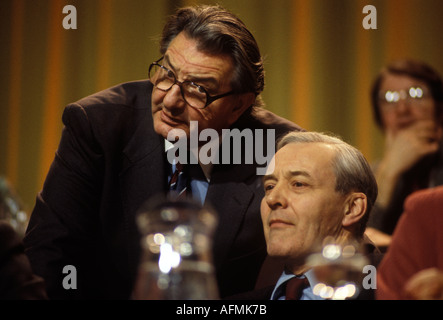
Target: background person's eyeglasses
{"points": [[194, 95], [411, 95]]}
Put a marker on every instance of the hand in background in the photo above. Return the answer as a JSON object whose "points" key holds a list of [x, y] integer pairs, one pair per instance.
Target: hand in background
{"points": [[380, 239], [404, 148], [407, 146], [426, 285]]}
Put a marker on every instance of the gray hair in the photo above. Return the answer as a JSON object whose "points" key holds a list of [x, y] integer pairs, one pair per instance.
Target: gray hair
{"points": [[352, 171]]}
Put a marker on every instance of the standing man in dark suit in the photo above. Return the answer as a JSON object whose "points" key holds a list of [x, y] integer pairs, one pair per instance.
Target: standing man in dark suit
{"points": [[112, 158]]}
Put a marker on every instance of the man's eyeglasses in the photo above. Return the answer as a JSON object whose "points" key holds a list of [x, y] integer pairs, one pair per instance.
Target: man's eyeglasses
{"points": [[194, 95], [411, 95]]}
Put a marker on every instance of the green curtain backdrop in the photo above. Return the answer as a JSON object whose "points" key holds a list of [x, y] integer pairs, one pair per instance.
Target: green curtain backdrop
{"points": [[319, 62]]}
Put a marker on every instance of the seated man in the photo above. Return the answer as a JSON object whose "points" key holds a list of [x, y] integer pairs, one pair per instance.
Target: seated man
{"points": [[320, 187]]}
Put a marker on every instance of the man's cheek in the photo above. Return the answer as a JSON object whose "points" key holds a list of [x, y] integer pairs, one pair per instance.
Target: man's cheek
{"points": [[156, 100]]}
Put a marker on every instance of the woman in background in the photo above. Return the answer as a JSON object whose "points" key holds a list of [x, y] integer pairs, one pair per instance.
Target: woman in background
{"points": [[407, 100]]}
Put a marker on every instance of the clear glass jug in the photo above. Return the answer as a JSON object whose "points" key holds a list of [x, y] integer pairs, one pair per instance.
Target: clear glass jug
{"points": [[176, 261]]}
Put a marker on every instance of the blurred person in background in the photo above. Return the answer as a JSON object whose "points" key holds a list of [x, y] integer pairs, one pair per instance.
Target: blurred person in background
{"points": [[413, 266], [407, 100]]}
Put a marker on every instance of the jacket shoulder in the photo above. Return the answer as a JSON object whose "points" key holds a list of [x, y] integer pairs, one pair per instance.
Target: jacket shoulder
{"points": [[119, 105], [260, 118], [133, 94], [112, 117], [428, 202]]}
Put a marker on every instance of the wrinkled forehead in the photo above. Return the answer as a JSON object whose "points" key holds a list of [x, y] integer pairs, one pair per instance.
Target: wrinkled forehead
{"points": [[313, 158], [183, 55]]}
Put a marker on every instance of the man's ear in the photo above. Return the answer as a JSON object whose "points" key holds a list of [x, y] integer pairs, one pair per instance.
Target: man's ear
{"points": [[355, 209], [242, 103]]}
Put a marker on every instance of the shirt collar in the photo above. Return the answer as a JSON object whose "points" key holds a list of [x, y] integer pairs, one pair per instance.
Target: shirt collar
{"points": [[206, 168], [279, 289]]}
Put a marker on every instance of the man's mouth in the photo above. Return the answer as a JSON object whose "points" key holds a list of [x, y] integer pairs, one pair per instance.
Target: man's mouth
{"points": [[279, 223], [168, 120]]}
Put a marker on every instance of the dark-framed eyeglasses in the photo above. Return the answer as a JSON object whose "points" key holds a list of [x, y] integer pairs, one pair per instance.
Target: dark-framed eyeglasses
{"points": [[195, 95]]}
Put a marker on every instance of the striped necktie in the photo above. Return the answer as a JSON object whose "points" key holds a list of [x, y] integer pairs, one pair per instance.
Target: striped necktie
{"points": [[178, 184]]}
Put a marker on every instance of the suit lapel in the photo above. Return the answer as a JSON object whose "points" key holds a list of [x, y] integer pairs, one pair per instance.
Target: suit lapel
{"points": [[230, 197], [142, 176]]}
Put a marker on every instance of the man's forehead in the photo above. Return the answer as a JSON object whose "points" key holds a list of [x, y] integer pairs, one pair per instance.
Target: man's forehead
{"points": [[307, 157], [184, 51], [315, 150]]}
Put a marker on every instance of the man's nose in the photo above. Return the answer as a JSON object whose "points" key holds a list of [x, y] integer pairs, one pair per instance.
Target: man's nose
{"points": [[173, 98], [277, 197]]}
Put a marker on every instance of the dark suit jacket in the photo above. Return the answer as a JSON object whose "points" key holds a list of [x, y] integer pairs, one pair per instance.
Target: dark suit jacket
{"points": [[109, 162]]}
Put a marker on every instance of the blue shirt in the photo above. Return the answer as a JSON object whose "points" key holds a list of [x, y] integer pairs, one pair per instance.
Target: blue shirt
{"points": [[199, 185]]}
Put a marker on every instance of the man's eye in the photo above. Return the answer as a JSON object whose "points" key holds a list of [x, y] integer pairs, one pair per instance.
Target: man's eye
{"points": [[298, 184], [195, 88], [170, 74], [269, 187], [200, 89]]}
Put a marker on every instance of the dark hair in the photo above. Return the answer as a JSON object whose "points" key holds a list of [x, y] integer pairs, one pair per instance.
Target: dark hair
{"points": [[220, 32], [414, 69]]}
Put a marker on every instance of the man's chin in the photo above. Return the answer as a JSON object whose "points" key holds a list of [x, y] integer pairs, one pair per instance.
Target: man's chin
{"points": [[277, 250]]}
